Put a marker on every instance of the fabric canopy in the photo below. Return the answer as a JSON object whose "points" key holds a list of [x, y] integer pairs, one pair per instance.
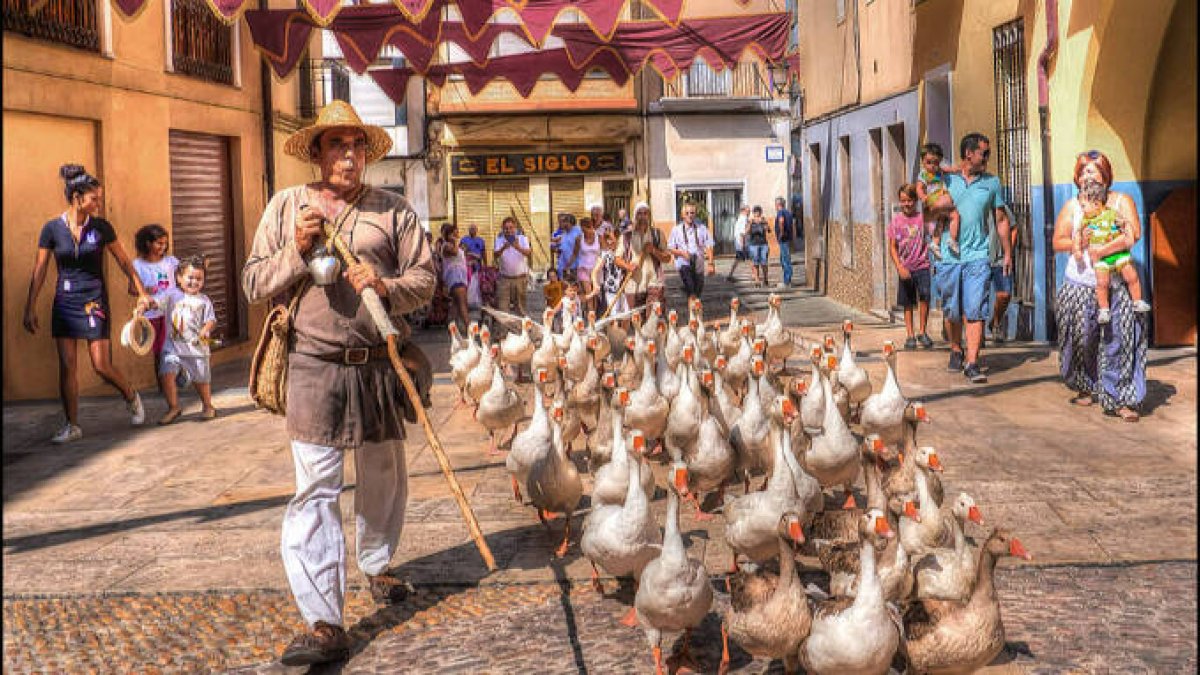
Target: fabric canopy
{"points": [[537, 17], [522, 70], [361, 32]]}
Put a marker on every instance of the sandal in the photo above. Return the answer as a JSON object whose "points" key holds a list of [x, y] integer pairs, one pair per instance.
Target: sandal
{"points": [[1082, 400], [172, 415], [210, 414], [1128, 414]]}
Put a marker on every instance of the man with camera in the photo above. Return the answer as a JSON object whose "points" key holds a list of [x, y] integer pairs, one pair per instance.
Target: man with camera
{"points": [[512, 257], [689, 242]]}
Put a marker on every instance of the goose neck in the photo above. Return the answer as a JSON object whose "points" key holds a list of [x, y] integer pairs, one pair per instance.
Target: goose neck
{"points": [[672, 546], [869, 587]]}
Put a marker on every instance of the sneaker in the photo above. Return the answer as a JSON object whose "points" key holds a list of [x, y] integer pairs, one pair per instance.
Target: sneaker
{"points": [[910, 344], [925, 340], [1104, 316], [956, 362], [69, 432], [324, 643], [972, 373], [137, 413], [1141, 306]]}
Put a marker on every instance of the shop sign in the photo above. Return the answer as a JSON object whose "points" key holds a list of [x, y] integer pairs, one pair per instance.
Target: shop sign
{"points": [[524, 164]]}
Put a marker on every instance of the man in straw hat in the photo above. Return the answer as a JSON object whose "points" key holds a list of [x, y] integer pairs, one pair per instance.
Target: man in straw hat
{"points": [[341, 389]]}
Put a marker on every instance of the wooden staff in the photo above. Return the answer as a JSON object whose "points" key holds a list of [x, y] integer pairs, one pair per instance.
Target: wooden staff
{"points": [[380, 316], [628, 276]]}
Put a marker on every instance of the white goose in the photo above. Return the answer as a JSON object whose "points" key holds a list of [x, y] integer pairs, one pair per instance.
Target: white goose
{"points": [[517, 348], [603, 347], [672, 342], [712, 459], [499, 407], [630, 373], [860, 634], [479, 380], [833, 456], [612, 479], [531, 442], [683, 420], [921, 536], [648, 409], [751, 520], [779, 338], [621, 538], [731, 337], [726, 409], [545, 356], [949, 573], [749, 434], [457, 343], [577, 354], [738, 370], [883, 412], [852, 377], [462, 362], [554, 485], [674, 593]]}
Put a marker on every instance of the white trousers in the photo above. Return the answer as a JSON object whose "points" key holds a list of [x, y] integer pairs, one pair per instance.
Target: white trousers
{"points": [[314, 547]]}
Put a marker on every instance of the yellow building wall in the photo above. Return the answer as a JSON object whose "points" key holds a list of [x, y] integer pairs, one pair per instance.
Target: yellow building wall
{"points": [[828, 75], [1170, 152], [51, 93], [973, 83], [886, 48]]}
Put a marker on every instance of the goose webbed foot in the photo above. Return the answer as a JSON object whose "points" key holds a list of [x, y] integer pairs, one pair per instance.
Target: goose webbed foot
{"points": [[630, 618], [658, 662], [596, 585], [724, 667], [566, 540], [516, 490]]}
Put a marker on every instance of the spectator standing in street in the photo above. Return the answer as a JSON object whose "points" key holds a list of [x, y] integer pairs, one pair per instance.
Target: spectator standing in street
{"points": [[476, 249], [342, 392], [512, 253], [607, 277], [552, 289], [785, 232], [965, 277], [78, 240], [454, 273], [690, 243], [622, 222], [600, 219], [739, 242], [756, 246], [641, 253], [568, 232], [1105, 364], [587, 251], [908, 244]]}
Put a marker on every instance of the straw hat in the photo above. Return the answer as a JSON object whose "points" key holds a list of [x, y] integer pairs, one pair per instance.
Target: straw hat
{"points": [[338, 114], [138, 334]]}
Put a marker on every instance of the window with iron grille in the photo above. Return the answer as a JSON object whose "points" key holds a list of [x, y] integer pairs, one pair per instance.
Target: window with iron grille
{"points": [[201, 46], [1012, 146], [69, 22]]}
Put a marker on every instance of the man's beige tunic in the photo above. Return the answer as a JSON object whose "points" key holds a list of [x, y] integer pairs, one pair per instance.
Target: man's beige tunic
{"points": [[330, 403]]}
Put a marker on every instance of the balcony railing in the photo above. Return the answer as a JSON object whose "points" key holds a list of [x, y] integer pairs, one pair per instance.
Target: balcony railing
{"points": [[202, 46], [745, 80], [322, 81], [68, 22]]}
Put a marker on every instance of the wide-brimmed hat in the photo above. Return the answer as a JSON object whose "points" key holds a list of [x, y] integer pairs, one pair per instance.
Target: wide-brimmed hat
{"points": [[337, 115]]}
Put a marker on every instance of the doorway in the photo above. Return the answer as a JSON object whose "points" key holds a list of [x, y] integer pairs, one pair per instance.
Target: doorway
{"points": [[718, 207]]}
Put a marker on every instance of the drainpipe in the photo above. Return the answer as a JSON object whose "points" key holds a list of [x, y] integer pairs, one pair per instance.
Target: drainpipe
{"points": [[1043, 76], [268, 114]]}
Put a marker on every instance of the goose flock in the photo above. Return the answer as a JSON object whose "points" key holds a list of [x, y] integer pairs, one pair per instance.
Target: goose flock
{"points": [[719, 407]]}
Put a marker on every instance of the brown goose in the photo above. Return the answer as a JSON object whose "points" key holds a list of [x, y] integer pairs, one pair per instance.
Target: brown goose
{"points": [[947, 637]]}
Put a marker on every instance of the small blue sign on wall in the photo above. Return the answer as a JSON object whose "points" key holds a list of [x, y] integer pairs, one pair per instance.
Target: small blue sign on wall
{"points": [[774, 153]]}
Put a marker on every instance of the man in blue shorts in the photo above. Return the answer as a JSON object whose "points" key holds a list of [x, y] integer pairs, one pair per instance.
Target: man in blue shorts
{"points": [[964, 280]]}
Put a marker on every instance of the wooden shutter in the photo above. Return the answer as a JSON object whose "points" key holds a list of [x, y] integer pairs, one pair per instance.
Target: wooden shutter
{"points": [[566, 196], [473, 206], [202, 219]]}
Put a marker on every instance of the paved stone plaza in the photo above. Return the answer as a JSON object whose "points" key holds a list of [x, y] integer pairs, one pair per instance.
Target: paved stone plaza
{"points": [[157, 549]]}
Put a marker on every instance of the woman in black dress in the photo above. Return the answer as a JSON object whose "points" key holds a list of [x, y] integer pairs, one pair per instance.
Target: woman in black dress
{"points": [[77, 239]]}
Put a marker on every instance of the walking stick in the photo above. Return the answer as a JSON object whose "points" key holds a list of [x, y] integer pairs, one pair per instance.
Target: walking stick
{"points": [[621, 289], [380, 316]]}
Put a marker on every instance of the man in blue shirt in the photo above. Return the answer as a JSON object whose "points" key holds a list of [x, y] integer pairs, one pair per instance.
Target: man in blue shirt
{"points": [[565, 245], [476, 248], [785, 232], [965, 279]]}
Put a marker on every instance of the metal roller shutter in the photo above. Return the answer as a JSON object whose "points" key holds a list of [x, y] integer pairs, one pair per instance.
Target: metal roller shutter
{"points": [[473, 206], [511, 198], [202, 219]]}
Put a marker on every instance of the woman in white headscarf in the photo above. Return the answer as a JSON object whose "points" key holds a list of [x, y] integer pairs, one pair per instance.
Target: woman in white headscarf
{"points": [[641, 253]]}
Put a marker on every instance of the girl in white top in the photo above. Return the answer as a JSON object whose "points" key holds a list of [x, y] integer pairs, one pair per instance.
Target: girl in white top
{"points": [[156, 269], [587, 250], [607, 277]]}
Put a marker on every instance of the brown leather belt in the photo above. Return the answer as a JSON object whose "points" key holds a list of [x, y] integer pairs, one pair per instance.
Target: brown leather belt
{"points": [[355, 356]]}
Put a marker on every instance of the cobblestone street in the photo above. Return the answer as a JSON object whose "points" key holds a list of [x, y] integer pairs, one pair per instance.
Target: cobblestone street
{"points": [[157, 549]]}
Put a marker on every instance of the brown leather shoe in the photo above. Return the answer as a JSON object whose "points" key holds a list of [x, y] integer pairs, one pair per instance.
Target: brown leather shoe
{"points": [[388, 589], [324, 643]]}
